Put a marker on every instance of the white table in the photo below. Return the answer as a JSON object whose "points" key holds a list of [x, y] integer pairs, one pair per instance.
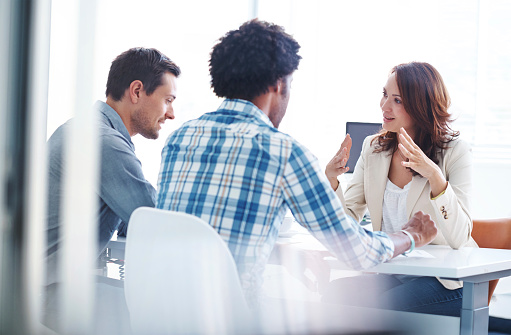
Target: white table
{"points": [[474, 266]]}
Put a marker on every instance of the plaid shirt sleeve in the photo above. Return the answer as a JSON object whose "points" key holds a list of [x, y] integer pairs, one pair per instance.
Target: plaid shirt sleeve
{"points": [[315, 206]]}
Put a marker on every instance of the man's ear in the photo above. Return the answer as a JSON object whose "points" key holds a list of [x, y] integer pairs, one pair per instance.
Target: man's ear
{"points": [[277, 88], [136, 87]]}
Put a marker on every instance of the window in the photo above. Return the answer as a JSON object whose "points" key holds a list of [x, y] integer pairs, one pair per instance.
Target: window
{"points": [[183, 30], [348, 49]]}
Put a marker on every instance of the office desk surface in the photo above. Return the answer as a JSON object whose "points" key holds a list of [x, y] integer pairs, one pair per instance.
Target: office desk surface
{"points": [[445, 262], [442, 261], [475, 266]]}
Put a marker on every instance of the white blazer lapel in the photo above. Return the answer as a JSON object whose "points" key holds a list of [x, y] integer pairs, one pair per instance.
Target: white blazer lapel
{"points": [[378, 170], [416, 188]]}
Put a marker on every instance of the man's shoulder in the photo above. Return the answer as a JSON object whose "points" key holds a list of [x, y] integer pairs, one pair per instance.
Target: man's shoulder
{"points": [[105, 132], [296, 148], [280, 139], [111, 136], [56, 139], [286, 138]]}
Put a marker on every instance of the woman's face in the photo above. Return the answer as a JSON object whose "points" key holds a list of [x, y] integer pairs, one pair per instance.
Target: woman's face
{"points": [[394, 114]]}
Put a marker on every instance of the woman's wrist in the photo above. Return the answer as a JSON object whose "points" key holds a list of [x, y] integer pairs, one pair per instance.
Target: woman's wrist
{"points": [[334, 182], [437, 183]]}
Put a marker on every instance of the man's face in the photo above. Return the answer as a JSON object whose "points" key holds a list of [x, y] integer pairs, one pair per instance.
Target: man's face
{"points": [[278, 109], [154, 109]]}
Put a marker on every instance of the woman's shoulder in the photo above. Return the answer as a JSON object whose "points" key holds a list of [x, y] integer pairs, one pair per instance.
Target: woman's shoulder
{"points": [[455, 150], [371, 140], [458, 145], [372, 144]]}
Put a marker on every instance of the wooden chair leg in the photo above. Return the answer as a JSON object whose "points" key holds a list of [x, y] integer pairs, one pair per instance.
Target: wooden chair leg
{"points": [[491, 287]]}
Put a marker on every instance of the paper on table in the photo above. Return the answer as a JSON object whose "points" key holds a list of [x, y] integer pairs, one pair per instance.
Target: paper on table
{"points": [[418, 254]]}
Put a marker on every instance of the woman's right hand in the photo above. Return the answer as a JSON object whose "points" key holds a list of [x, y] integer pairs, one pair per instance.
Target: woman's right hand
{"points": [[337, 166]]}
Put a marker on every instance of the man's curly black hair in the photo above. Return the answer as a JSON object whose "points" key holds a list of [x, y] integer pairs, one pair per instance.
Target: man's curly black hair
{"points": [[246, 61]]}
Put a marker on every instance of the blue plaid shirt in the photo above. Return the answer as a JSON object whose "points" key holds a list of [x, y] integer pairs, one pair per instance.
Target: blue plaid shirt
{"points": [[235, 170]]}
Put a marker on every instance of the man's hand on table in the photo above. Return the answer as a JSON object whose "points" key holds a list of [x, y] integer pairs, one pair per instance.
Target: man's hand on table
{"points": [[421, 227]]}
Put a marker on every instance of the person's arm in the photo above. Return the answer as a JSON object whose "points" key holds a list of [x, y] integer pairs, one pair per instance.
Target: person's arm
{"points": [[421, 228], [123, 185], [337, 165], [353, 197], [452, 208], [450, 194], [417, 160], [316, 207]]}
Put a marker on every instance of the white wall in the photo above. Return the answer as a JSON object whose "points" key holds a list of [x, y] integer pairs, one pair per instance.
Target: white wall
{"points": [[347, 49], [492, 189]]}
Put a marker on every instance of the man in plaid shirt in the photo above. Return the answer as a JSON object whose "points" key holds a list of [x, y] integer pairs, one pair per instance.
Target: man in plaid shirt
{"points": [[235, 170]]}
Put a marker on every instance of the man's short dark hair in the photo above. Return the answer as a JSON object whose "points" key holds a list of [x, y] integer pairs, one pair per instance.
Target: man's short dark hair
{"points": [[246, 61], [146, 65]]}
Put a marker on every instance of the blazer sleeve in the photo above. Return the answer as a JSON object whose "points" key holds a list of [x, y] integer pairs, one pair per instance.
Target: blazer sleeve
{"points": [[452, 209], [353, 199]]}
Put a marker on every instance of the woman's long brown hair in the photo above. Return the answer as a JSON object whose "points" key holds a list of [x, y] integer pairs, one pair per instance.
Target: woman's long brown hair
{"points": [[426, 100]]}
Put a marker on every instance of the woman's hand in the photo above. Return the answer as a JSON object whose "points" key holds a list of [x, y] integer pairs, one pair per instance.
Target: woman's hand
{"points": [[337, 165], [417, 160]]}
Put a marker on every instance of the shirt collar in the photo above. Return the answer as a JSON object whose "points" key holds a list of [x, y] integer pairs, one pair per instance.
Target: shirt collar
{"points": [[245, 107], [111, 118]]}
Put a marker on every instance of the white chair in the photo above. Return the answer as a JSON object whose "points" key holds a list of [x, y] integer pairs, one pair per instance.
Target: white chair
{"points": [[180, 277]]}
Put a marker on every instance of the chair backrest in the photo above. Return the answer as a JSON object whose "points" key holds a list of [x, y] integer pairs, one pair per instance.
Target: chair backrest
{"points": [[180, 277], [495, 234], [492, 233]]}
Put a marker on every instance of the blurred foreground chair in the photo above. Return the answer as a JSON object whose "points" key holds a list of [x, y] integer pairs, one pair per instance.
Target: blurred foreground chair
{"points": [[180, 277], [495, 234]]}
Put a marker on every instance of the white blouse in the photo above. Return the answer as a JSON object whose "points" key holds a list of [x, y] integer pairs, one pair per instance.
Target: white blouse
{"points": [[394, 207]]}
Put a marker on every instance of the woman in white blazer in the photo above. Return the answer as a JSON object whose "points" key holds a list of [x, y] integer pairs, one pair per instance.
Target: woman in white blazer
{"points": [[416, 163]]}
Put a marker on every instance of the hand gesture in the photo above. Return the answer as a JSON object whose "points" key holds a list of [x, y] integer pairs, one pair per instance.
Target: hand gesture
{"points": [[422, 228], [337, 165], [417, 160]]}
